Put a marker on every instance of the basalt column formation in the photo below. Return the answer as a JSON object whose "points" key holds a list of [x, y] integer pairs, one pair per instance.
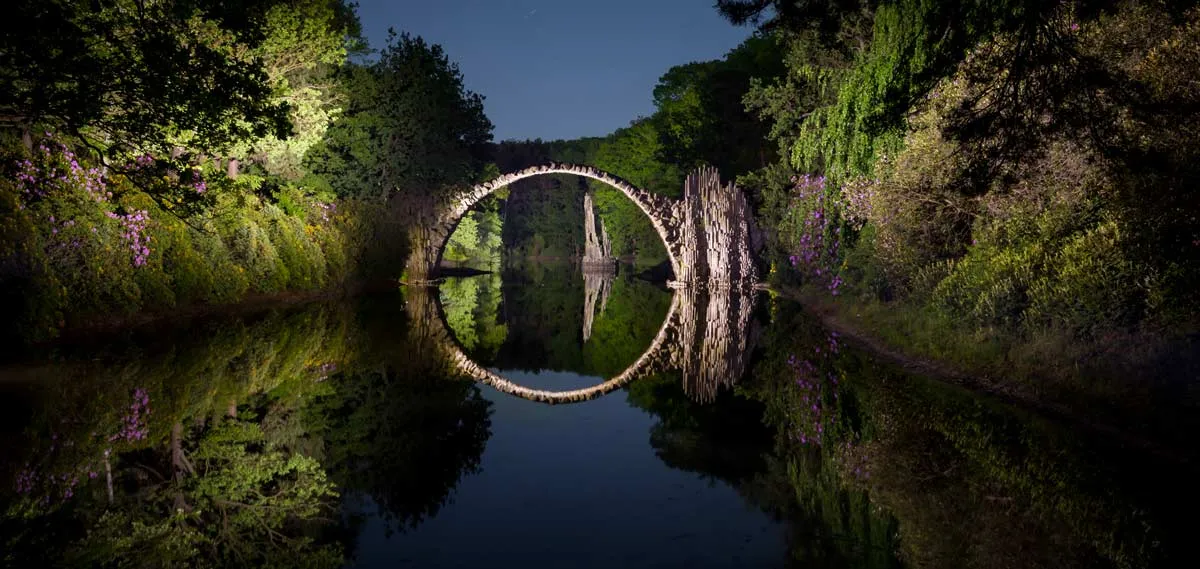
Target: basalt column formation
{"points": [[597, 249], [717, 231]]}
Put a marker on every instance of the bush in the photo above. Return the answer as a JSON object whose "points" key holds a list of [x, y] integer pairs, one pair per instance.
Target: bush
{"points": [[78, 245], [915, 205], [1087, 232], [1089, 283]]}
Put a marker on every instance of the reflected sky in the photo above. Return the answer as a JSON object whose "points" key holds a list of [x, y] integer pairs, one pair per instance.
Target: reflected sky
{"points": [[579, 486], [819, 456]]}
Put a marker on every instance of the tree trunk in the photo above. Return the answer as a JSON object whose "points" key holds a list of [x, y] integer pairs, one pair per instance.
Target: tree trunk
{"points": [[231, 169], [179, 461]]}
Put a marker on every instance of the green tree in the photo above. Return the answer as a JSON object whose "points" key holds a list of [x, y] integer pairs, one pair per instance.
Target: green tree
{"points": [[700, 116], [632, 153], [542, 215], [134, 76], [409, 126], [305, 44], [464, 242]]}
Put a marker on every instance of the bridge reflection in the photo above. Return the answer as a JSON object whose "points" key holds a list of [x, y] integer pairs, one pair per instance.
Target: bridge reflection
{"points": [[707, 337]]}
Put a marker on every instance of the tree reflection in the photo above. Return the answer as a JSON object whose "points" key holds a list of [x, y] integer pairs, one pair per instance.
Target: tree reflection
{"points": [[223, 448], [404, 428], [968, 480], [217, 492], [538, 316], [472, 310], [723, 439], [180, 450], [403, 439], [719, 433]]}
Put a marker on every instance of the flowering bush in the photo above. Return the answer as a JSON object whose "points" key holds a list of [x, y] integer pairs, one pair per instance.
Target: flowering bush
{"points": [[82, 242], [70, 459], [54, 170], [133, 232], [811, 231]]}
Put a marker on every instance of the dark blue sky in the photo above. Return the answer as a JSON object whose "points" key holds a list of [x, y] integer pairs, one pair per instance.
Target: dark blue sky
{"points": [[556, 69]]}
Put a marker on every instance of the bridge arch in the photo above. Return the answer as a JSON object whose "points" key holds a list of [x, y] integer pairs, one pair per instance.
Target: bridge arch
{"points": [[660, 209], [706, 335], [651, 360]]}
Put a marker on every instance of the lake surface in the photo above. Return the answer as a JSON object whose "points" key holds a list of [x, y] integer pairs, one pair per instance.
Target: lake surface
{"points": [[548, 419]]}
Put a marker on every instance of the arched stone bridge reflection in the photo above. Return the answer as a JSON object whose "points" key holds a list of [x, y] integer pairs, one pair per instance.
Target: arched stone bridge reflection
{"points": [[707, 336]]}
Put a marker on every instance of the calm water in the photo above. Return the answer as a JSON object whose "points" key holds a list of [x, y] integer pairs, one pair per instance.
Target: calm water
{"points": [[455, 428]]}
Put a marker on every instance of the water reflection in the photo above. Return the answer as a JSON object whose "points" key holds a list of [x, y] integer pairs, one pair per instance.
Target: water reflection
{"points": [[706, 335], [754, 437], [597, 286], [964, 480], [176, 452], [716, 335]]}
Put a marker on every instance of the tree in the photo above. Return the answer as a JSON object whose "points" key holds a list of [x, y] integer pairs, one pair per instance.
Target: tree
{"points": [[701, 118], [464, 242], [543, 215], [824, 16], [409, 126], [305, 45], [130, 76], [632, 153]]}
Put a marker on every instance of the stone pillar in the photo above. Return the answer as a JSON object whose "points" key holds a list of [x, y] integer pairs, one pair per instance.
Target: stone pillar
{"points": [[424, 254], [690, 233], [597, 251]]}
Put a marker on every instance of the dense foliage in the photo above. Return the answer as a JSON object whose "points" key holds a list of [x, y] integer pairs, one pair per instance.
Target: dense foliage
{"points": [[185, 153], [1012, 173]]}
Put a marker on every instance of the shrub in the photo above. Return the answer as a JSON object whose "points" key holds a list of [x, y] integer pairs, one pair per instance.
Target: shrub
{"points": [[915, 205], [78, 244], [1089, 283], [298, 252]]}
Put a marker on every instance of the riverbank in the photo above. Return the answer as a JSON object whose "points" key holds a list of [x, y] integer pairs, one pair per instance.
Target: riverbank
{"points": [[1146, 400], [149, 320]]}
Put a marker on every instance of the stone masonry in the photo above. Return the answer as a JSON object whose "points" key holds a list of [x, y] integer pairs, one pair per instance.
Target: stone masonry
{"points": [[708, 233]]}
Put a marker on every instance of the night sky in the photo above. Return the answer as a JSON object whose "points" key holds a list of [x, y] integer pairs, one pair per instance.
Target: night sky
{"points": [[560, 69]]}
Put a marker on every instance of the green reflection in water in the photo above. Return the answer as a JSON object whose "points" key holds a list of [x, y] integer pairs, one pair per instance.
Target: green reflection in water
{"points": [[472, 310], [535, 320], [239, 442], [948, 478], [181, 453], [230, 446]]}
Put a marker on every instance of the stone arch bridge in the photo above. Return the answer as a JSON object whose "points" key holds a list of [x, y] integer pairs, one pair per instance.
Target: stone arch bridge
{"points": [[707, 335], [709, 233]]}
